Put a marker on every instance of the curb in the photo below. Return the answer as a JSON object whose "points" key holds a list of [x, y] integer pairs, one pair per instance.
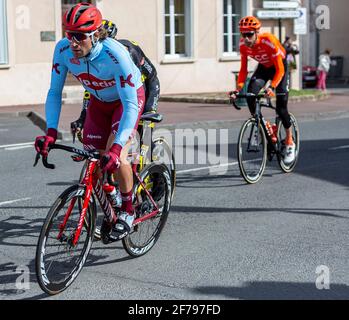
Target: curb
{"points": [[214, 124], [40, 121], [192, 99]]}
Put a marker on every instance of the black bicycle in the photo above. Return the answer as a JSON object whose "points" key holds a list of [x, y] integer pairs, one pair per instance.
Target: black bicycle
{"points": [[259, 141]]}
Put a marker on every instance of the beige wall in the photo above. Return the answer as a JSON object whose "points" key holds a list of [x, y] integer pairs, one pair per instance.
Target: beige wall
{"points": [[336, 38], [28, 76]]}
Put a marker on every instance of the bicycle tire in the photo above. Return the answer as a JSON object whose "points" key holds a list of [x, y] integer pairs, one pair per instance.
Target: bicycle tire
{"points": [[254, 174], [172, 164], [296, 138], [48, 284], [160, 173]]}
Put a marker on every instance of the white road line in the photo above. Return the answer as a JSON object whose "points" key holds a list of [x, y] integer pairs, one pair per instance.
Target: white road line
{"points": [[16, 145], [13, 201], [339, 148], [18, 148], [210, 167]]}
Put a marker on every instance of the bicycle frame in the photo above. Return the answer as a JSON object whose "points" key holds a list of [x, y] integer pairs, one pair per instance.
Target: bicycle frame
{"points": [[93, 183], [260, 120]]}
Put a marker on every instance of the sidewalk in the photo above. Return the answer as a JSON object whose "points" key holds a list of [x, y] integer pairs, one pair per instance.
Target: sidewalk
{"points": [[195, 115]]}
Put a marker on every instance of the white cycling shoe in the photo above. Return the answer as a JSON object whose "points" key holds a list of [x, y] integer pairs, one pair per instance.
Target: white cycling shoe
{"points": [[290, 154], [124, 223]]}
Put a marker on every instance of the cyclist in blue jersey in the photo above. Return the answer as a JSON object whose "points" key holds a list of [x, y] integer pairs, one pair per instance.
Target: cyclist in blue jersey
{"points": [[105, 69], [149, 77]]}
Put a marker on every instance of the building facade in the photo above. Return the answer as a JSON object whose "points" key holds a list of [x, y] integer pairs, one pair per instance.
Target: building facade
{"points": [[328, 24], [192, 43]]}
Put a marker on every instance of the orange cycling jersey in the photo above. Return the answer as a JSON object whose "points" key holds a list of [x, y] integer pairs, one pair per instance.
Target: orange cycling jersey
{"points": [[269, 52]]}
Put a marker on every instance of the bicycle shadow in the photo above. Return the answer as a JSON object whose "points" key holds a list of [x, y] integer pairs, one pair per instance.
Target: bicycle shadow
{"points": [[16, 227]]}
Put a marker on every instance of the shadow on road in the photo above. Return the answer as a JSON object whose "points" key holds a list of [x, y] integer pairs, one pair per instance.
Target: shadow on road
{"points": [[319, 159], [277, 291], [324, 212]]}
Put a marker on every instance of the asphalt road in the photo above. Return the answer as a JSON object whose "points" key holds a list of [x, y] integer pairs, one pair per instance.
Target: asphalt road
{"points": [[223, 239]]}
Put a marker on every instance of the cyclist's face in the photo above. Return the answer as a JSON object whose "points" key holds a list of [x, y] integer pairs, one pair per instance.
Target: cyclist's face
{"points": [[81, 48], [250, 38]]}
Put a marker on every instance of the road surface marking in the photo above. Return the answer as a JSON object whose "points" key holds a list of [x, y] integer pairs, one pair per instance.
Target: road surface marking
{"points": [[339, 148], [16, 145], [18, 148], [13, 201], [210, 167]]}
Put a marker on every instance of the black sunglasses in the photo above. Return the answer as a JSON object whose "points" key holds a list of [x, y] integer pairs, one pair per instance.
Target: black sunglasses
{"points": [[247, 34]]}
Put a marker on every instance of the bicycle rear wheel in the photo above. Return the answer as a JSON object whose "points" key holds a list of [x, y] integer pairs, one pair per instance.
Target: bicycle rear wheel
{"points": [[58, 262], [157, 180], [296, 139], [162, 153], [252, 151]]}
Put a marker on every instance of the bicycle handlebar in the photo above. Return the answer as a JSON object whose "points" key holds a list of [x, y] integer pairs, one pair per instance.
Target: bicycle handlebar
{"points": [[83, 153], [258, 96]]}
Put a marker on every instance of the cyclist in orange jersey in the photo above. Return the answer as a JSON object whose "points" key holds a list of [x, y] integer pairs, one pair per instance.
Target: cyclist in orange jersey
{"points": [[271, 74]]}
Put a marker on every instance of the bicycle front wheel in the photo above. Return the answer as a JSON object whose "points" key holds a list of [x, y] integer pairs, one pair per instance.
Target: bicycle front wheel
{"points": [[157, 180], [252, 151], [58, 261]]}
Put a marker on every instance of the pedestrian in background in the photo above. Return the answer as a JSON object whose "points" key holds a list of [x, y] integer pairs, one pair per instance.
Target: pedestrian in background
{"points": [[291, 52], [323, 69]]}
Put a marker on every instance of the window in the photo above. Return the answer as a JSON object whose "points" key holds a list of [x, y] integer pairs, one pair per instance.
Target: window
{"points": [[3, 34], [232, 13], [177, 28]]}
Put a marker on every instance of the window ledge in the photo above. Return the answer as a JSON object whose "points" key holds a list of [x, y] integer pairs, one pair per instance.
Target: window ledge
{"points": [[230, 58], [177, 60], [5, 66]]}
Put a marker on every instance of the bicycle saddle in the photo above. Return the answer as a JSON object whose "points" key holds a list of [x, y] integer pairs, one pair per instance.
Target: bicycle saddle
{"points": [[153, 117]]}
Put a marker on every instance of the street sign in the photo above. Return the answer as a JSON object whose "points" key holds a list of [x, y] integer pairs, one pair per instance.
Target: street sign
{"points": [[280, 5], [278, 14], [300, 24]]}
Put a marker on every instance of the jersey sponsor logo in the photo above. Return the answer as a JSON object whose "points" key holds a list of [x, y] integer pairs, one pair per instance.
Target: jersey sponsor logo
{"points": [[127, 81], [75, 61], [55, 67], [112, 56], [94, 83], [147, 66], [63, 49], [92, 136], [261, 57]]}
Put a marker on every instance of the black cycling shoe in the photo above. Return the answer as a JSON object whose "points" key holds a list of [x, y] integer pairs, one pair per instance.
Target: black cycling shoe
{"points": [[105, 231]]}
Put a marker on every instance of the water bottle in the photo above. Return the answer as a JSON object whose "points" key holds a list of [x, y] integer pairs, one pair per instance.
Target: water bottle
{"points": [[113, 196], [271, 132], [275, 132]]}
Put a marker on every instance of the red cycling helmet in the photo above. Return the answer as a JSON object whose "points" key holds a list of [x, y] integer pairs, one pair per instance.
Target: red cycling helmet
{"points": [[249, 23], [83, 17]]}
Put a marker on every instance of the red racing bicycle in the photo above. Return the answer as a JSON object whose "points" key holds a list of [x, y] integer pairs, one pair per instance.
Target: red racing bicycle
{"points": [[67, 234]]}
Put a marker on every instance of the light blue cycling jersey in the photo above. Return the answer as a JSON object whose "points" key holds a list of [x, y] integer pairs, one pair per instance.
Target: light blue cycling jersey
{"points": [[108, 73]]}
